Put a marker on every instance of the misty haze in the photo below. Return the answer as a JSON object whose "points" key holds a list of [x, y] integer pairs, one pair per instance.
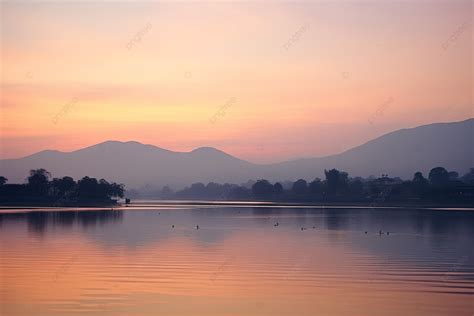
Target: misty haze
{"points": [[250, 158]]}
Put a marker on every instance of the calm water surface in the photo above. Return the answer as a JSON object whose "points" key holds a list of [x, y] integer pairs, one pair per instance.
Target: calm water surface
{"points": [[132, 261]]}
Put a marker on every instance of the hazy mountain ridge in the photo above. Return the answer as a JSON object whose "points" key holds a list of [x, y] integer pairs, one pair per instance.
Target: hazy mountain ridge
{"points": [[399, 153]]}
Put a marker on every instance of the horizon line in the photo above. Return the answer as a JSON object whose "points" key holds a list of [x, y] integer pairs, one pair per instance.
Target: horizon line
{"points": [[224, 152]]}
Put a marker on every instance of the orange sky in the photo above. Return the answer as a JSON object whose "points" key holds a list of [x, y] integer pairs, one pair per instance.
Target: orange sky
{"points": [[307, 79]]}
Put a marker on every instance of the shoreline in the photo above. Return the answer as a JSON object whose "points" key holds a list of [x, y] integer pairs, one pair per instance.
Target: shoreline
{"points": [[367, 204], [55, 204], [148, 204]]}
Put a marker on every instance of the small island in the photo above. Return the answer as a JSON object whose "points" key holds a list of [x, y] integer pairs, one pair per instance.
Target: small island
{"points": [[41, 190]]}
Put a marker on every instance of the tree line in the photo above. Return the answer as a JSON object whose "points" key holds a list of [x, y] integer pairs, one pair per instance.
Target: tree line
{"points": [[41, 189], [440, 186]]}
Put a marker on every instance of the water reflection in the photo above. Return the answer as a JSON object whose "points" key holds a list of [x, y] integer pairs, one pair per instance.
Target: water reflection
{"points": [[155, 261], [38, 222]]}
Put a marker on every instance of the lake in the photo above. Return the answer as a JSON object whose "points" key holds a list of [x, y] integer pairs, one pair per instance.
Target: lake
{"points": [[243, 259]]}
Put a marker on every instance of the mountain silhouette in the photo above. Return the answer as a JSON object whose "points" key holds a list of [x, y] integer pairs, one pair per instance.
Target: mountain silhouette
{"points": [[399, 153]]}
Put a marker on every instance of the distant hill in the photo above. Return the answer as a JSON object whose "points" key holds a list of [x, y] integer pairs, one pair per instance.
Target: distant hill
{"points": [[131, 163], [400, 153]]}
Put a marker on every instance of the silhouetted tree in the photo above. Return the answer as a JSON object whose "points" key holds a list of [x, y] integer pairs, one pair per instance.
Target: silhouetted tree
{"points": [[61, 186], [420, 184], [439, 176], [91, 189], [104, 188], [3, 180], [315, 186], [418, 177], [239, 193], [58, 191], [87, 188], [374, 188], [356, 187], [117, 190], [214, 190], [227, 187], [468, 177], [38, 181], [262, 189], [278, 189], [453, 176], [299, 187], [332, 179], [198, 189], [336, 181]]}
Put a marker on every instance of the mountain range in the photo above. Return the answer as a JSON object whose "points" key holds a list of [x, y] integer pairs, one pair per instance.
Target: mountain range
{"points": [[399, 153]]}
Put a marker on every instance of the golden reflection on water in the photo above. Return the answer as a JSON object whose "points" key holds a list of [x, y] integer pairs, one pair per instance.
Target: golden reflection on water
{"points": [[253, 270]]}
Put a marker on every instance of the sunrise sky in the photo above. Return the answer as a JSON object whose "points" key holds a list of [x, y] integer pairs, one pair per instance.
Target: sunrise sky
{"points": [[264, 81]]}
